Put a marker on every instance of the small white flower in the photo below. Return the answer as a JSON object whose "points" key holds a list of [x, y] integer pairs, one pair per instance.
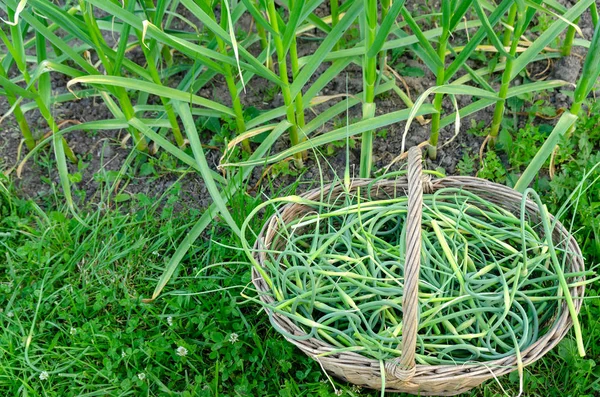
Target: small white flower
{"points": [[233, 337], [141, 376], [339, 392], [182, 351], [73, 331], [123, 354], [44, 375], [154, 252], [356, 389], [170, 321], [10, 314]]}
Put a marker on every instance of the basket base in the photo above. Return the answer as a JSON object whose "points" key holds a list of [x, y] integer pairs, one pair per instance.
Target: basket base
{"points": [[424, 387]]}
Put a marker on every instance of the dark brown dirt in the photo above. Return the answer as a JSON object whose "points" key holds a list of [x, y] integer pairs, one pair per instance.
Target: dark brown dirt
{"points": [[103, 152]]}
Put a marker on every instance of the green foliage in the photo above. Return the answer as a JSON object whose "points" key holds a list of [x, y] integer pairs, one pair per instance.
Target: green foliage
{"points": [[350, 38], [383, 133], [492, 168], [578, 154], [81, 304], [224, 52], [283, 168], [526, 143], [334, 147], [401, 67], [220, 130], [466, 165], [477, 128]]}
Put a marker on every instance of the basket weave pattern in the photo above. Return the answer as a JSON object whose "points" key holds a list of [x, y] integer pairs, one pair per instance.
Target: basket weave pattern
{"points": [[402, 374]]}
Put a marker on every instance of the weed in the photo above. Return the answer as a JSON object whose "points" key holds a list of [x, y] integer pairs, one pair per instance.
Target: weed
{"points": [[283, 168], [334, 147], [492, 168], [466, 165], [526, 143], [477, 128]]}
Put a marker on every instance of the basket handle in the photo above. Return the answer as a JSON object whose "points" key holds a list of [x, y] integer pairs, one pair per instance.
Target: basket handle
{"points": [[404, 367]]}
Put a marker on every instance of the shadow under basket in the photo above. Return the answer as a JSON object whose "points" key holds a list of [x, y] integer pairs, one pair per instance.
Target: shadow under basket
{"points": [[402, 374]]}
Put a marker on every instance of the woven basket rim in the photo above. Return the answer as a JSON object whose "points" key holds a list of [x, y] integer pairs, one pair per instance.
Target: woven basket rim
{"points": [[477, 371]]}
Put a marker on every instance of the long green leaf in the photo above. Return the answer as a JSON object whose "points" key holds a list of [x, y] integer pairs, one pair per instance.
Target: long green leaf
{"points": [[459, 13], [564, 124], [422, 38], [318, 57], [15, 89], [332, 71], [534, 87], [292, 24], [591, 68], [486, 71], [63, 172], [339, 134], [467, 110], [386, 26], [548, 36], [67, 22], [217, 30], [61, 44], [496, 42], [183, 109], [425, 56], [493, 19], [211, 212], [151, 88], [258, 17], [84, 33]]}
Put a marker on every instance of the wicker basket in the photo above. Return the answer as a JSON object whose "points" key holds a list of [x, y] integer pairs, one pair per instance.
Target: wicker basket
{"points": [[402, 374]]}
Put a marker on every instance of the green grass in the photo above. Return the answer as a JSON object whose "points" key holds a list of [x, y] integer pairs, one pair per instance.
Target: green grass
{"points": [[72, 308]]}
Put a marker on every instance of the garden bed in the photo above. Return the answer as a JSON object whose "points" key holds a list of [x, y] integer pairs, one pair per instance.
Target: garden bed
{"points": [[104, 152]]}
